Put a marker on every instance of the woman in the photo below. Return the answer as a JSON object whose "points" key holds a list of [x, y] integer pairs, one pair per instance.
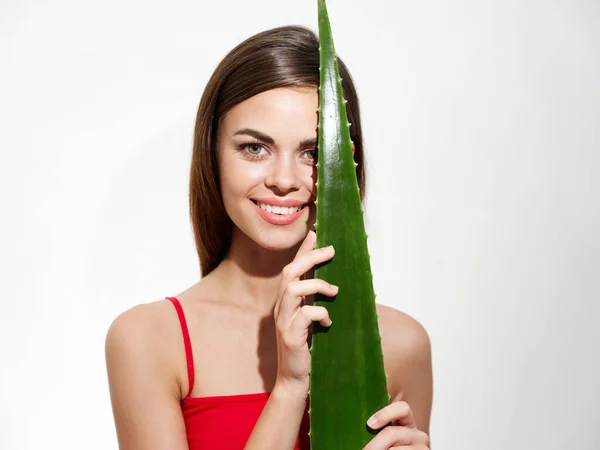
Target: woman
{"points": [[224, 364]]}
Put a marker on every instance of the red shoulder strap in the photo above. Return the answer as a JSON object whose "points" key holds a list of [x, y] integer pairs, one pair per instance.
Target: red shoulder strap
{"points": [[186, 341]]}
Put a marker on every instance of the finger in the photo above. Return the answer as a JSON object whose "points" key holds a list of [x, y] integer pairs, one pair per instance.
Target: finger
{"points": [[393, 436], [295, 290], [308, 243], [305, 261], [306, 316], [399, 412]]}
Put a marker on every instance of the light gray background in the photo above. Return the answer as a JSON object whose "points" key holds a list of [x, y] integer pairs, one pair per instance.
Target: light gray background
{"points": [[481, 123]]}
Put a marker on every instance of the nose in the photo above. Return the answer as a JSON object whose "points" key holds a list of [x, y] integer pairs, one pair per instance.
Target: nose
{"points": [[283, 175]]}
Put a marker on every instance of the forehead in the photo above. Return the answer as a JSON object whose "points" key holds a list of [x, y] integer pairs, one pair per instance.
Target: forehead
{"points": [[278, 112]]}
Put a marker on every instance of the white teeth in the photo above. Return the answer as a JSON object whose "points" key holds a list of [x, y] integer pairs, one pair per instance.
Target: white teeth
{"points": [[282, 210]]}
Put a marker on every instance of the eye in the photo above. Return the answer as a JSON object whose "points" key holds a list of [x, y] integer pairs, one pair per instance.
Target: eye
{"points": [[251, 150], [312, 154], [254, 149]]}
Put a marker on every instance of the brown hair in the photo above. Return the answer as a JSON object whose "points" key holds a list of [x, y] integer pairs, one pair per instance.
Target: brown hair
{"points": [[280, 57]]}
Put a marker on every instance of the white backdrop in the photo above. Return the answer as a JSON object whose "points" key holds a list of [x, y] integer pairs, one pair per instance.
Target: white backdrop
{"points": [[481, 122]]}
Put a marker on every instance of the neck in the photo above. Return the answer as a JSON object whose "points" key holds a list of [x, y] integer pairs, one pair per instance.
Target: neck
{"points": [[251, 273]]}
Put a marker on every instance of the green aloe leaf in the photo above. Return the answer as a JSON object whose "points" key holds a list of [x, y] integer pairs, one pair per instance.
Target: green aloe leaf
{"points": [[348, 379]]}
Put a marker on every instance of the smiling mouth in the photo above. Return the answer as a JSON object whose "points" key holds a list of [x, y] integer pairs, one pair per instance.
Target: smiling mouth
{"points": [[280, 210]]}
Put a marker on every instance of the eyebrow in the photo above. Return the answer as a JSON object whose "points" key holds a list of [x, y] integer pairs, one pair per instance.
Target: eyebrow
{"points": [[311, 142]]}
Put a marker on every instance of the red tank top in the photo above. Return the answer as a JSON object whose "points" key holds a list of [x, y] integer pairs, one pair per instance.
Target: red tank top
{"points": [[223, 422]]}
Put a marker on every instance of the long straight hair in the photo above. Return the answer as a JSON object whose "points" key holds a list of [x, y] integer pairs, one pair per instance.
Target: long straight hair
{"points": [[281, 57]]}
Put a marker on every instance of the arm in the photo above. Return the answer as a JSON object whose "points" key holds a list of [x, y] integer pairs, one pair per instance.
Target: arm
{"points": [[408, 363], [144, 391], [278, 426]]}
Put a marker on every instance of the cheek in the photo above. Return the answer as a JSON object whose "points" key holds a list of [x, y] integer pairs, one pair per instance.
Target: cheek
{"points": [[227, 177], [237, 177]]}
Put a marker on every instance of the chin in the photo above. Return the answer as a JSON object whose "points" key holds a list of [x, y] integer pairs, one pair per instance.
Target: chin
{"points": [[280, 240]]}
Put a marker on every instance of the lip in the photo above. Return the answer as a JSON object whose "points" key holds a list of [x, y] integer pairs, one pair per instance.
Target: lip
{"points": [[280, 219], [285, 202]]}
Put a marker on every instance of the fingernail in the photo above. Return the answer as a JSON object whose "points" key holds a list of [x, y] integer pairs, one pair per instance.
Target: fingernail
{"points": [[372, 422], [334, 287]]}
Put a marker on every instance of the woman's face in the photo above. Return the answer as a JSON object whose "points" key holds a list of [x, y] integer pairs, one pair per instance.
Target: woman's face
{"points": [[267, 155]]}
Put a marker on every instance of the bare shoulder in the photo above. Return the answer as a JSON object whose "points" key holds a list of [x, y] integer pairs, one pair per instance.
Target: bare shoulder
{"points": [[140, 315], [407, 358], [147, 335], [143, 326], [402, 331], [150, 334]]}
